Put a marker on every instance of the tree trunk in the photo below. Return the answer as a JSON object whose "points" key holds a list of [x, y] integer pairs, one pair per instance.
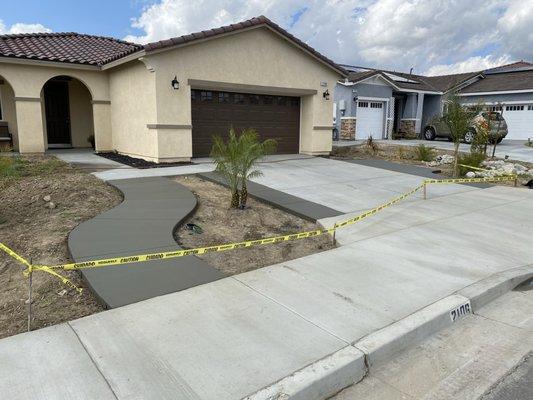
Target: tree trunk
{"points": [[235, 199], [455, 161], [243, 194]]}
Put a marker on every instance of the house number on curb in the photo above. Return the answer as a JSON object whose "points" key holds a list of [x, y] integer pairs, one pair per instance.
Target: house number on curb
{"points": [[460, 311]]}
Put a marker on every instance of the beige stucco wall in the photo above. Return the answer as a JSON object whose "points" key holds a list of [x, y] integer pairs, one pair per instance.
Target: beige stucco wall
{"points": [[27, 82], [133, 107], [81, 114], [256, 57]]}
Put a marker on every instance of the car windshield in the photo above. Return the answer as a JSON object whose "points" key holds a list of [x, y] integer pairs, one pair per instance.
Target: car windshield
{"points": [[493, 116]]}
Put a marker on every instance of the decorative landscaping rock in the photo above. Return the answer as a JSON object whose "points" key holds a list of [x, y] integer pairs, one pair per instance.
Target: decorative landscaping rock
{"points": [[47, 198], [502, 168], [51, 205], [470, 174], [442, 159]]}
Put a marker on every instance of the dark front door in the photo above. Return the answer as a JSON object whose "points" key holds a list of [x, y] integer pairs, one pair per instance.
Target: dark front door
{"points": [[273, 117], [57, 111]]}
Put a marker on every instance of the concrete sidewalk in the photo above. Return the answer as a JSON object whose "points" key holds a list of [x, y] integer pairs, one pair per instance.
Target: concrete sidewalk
{"points": [[230, 338]]}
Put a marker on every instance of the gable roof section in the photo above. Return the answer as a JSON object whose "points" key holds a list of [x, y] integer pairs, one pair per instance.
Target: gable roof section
{"points": [[67, 47], [445, 83], [505, 81], [516, 65], [250, 23]]}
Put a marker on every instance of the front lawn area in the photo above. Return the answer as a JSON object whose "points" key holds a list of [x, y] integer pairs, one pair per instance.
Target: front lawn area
{"points": [[220, 225], [42, 199]]}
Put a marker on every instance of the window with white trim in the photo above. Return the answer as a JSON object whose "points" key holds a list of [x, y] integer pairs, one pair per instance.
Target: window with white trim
{"points": [[363, 104], [530, 108], [514, 108], [376, 105], [494, 108]]}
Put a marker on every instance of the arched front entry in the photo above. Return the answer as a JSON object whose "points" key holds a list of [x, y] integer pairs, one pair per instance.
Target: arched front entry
{"points": [[67, 114], [8, 116]]}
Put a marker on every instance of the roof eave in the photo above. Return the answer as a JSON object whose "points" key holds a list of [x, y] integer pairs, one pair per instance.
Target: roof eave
{"points": [[50, 63], [338, 69]]}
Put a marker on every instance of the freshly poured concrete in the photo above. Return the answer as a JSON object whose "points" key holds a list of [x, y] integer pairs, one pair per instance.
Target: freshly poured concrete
{"points": [[292, 204], [232, 337], [142, 224]]}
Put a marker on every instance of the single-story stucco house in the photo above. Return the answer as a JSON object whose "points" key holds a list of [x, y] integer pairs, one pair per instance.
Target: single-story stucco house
{"points": [[386, 103], [163, 101]]}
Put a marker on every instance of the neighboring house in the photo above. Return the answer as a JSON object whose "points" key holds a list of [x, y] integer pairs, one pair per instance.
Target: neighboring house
{"points": [[386, 103], [163, 101]]}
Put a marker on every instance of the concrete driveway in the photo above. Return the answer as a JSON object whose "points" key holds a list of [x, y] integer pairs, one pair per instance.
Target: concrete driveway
{"points": [[515, 149], [343, 186]]}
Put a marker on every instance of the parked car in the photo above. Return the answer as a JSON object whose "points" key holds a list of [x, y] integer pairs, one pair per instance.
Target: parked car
{"points": [[438, 128]]}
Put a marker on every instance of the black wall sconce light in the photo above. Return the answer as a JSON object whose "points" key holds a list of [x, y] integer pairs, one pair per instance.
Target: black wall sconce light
{"points": [[355, 96], [175, 83], [326, 94]]}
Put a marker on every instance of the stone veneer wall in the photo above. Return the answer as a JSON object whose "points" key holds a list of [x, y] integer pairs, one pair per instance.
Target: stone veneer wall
{"points": [[407, 129], [348, 128]]}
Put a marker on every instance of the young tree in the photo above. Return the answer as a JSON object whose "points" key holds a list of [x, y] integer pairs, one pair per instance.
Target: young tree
{"points": [[459, 120], [253, 151]]}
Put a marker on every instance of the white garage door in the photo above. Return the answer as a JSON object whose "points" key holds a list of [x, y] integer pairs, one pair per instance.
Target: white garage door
{"points": [[519, 119], [369, 119]]}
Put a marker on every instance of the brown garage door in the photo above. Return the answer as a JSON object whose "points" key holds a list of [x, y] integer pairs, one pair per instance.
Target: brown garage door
{"points": [[273, 117]]}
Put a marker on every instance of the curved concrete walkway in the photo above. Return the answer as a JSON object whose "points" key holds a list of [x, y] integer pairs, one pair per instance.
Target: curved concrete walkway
{"points": [[143, 223]]}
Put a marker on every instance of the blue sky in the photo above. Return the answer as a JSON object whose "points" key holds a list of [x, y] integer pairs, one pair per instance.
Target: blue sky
{"points": [[430, 36], [100, 17]]}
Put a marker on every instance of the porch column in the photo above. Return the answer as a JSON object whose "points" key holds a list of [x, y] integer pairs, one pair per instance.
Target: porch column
{"points": [[30, 124], [102, 125], [419, 109]]}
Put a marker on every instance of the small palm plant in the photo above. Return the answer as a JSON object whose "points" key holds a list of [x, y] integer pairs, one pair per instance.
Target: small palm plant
{"points": [[253, 150], [226, 157], [236, 161]]}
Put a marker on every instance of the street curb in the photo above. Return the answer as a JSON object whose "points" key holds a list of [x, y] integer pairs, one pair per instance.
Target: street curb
{"points": [[381, 345], [489, 289], [320, 380]]}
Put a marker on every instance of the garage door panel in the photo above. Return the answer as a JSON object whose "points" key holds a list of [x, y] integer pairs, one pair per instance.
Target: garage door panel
{"points": [[519, 120], [370, 119], [273, 117]]}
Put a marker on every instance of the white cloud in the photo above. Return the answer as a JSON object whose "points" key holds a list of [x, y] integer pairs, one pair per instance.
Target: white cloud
{"points": [[469, 65], [428, 35], [20, 27]]}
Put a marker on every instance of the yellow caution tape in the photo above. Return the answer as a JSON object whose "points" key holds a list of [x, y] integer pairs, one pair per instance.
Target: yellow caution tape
{"points": [[472, 180], [32, 268], [232, 246]]}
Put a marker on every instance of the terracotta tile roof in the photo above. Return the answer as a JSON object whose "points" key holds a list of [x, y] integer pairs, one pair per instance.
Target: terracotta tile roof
{"points": [[65, 47], [257, 21]]}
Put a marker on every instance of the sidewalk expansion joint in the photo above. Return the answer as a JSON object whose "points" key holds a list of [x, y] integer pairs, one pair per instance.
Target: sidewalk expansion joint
{"points": [[92, 360]]}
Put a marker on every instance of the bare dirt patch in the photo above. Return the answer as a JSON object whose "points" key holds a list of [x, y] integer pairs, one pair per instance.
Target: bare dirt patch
{"points": [[221, 224], [39, 233]]}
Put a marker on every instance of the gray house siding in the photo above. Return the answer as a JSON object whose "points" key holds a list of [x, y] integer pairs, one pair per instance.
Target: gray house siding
{"points": [[363, 90]]}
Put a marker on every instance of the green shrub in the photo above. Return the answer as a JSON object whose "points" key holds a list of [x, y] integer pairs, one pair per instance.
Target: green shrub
{"points": [[471, 159], [424, 153]]}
